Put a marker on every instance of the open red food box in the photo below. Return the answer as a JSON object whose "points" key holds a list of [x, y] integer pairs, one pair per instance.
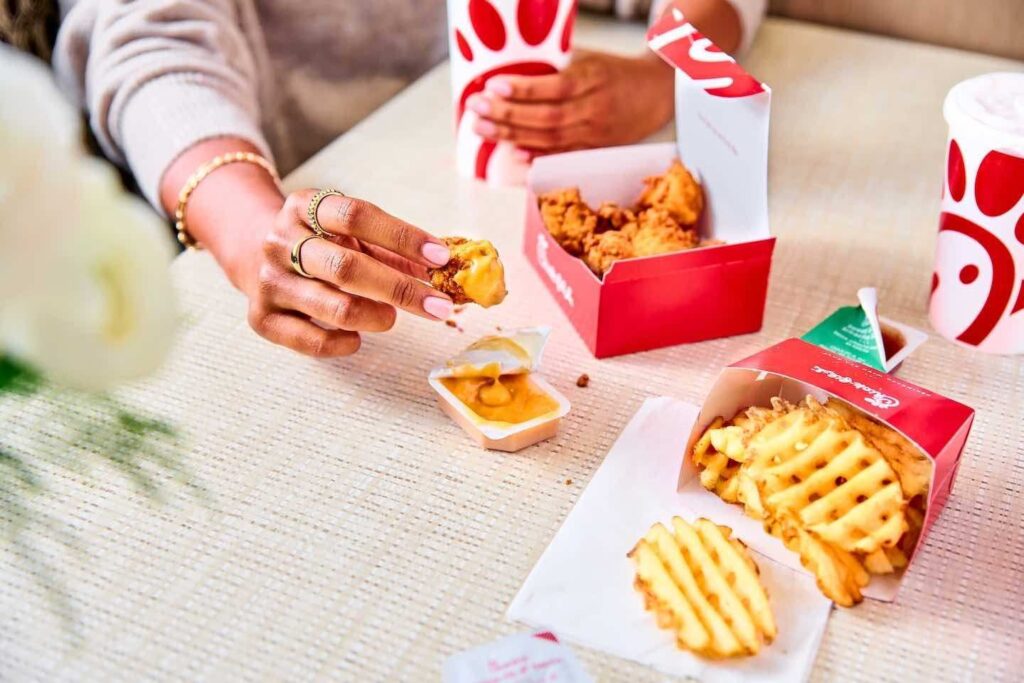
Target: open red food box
{"points": [[655, 301], [792, 369]]}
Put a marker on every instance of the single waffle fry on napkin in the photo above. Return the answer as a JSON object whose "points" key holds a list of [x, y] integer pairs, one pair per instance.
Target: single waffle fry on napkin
{"points": [[582, 586]]}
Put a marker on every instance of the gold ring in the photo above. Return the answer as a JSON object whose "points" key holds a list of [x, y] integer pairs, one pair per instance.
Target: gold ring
{"points": [[314, 204], [297, 255]]}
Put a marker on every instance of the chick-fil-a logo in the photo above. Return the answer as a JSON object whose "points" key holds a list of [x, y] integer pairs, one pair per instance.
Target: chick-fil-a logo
{"points": [[680, 44], [561, 286], [525, 37], [981, 285], [875, 397]]}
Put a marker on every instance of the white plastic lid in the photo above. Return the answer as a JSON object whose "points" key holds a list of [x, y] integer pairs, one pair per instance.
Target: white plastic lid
{"points": [[990, 106]]}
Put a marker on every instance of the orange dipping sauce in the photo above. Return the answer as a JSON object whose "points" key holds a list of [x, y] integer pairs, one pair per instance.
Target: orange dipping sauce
{"points": [[510, 398]]}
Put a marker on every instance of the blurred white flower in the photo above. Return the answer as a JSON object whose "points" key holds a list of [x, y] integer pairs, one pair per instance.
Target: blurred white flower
{"points": [[39, 139], [85, 292]]}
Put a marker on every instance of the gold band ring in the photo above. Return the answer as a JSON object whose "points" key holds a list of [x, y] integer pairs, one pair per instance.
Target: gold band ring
{"points": [[314, 204], [297, 255]]}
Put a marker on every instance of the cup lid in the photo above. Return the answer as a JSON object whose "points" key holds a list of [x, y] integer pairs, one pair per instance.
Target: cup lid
{"points": [[991, 106]]}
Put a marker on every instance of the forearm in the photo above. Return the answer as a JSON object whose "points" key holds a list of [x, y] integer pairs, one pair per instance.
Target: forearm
{"points": [[716, 19], [230, 211], [158, 76]]}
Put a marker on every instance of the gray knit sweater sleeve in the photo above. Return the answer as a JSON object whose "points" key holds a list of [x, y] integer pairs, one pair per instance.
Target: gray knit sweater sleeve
{"points": [[158, 76]]}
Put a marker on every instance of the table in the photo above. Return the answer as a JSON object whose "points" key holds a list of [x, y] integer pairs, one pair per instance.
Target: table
{"points": [[351, 531]]}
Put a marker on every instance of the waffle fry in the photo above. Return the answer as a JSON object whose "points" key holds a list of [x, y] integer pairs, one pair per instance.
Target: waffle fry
{"points": [[840, 575], [733, 439], [913, 468], [718, 472], [885, 561], [703, 584], [831, 483], [827, 474]]}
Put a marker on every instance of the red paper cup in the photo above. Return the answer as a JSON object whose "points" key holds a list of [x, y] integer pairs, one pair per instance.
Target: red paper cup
{"points": [[977, 294], [491, 37]]}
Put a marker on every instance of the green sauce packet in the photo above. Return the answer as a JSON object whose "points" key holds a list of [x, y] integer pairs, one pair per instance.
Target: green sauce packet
{"points": [[859, 333], [848, 332]]}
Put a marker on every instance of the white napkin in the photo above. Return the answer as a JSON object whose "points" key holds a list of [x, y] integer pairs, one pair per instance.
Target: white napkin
{"points": [[582, 586]]}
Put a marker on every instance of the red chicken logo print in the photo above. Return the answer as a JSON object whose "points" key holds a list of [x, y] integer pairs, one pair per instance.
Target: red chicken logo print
{"points": [[493, 37], [977, 288]]}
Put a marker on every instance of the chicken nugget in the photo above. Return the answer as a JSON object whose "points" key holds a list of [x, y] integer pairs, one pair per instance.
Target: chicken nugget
{"points": [[568, 218], [474, 273], [604, 249], [658, 233], [675, 191]]}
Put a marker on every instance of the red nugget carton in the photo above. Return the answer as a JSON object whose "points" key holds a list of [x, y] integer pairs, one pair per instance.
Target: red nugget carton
{"points": [[793, 369], [655, 301]]}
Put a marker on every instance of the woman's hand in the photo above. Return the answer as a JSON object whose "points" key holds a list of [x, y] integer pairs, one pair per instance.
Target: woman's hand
{"points": [[599, 100], [370, 266]]}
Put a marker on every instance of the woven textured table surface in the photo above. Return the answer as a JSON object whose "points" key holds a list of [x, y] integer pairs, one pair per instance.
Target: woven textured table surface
{"points": [[349, 530]]}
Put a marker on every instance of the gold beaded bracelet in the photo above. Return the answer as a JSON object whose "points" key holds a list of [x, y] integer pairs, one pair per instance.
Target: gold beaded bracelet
{"points": [[199, 175]]}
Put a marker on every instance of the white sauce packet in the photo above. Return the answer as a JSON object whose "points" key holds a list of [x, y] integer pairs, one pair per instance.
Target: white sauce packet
{"points": [[535, 657]]}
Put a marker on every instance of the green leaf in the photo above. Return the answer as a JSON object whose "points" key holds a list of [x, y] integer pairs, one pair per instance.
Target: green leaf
{"points": [[19, 470], [138, 424], [18, 378]]}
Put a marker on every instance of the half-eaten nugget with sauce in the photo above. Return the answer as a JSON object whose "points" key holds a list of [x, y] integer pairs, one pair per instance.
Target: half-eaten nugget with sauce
{"points": [[474, 273], [492, 391]]}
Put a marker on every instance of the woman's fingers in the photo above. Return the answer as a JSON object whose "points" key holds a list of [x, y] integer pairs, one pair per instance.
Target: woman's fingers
{"points": [[399, 263], [528, 115], [338, 309], [358, 273], [296, 333], [580, 78], [359, 219], [541, 140]]}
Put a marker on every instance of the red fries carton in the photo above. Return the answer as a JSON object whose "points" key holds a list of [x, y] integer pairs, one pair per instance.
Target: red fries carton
{"points": [[792, 369], [646, 303]]}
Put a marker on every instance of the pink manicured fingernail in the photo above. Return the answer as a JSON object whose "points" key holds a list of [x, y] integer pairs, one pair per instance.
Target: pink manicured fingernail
{"points": [[437, 254], [499, 86], [480, 104], [485, 128], [439, 308]]}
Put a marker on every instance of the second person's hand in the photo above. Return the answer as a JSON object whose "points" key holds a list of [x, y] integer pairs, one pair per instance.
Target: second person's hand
{"points": [[598, 101]]}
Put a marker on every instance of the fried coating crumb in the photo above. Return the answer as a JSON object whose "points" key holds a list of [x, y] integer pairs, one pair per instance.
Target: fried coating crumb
{"points": [[675, 191], [568, 218], [659, 233], [451, 323], [568, 482], [473, 274], [583, 380]]}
